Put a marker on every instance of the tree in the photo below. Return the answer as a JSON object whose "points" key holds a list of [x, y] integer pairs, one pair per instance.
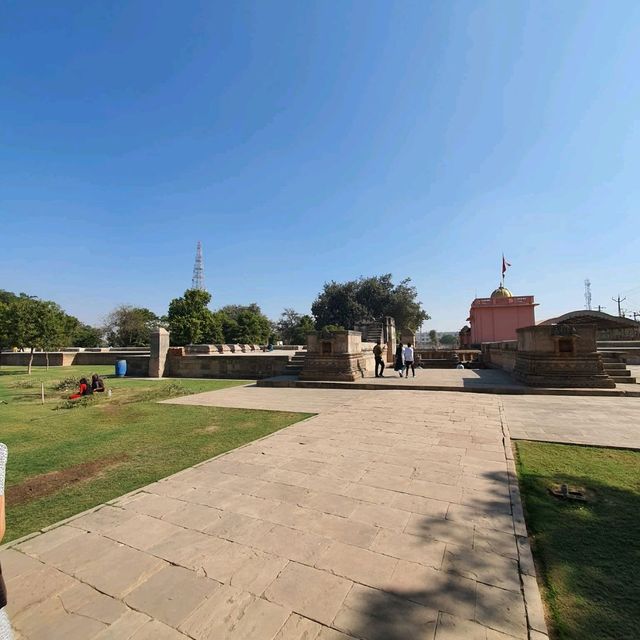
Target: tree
{"points": [[293, 327], [35, 324], [366, 299], [433, 338], [191, 321], [85, 335], [449, 339], [245, 324], [128, 326]]}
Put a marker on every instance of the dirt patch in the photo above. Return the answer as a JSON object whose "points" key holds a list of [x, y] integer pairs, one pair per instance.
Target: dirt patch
{"points": [[212, 428], [48, 483]]}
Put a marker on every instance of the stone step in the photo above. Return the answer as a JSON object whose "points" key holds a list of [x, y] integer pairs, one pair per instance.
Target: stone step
{"points": [[621, 374], [614, 366], [622, 344], [622, 380]]}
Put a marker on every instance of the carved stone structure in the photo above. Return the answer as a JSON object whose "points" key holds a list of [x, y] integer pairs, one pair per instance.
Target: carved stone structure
{"points": [[338, 355], [618, 338], [559, 356], [384, 330]]}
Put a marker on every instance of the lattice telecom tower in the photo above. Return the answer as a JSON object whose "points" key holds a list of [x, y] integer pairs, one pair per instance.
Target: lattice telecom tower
{"points": [[587, 294], [197, 281]]}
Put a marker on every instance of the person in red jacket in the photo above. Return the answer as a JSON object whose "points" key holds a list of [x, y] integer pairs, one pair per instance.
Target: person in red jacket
{"points": [[85, 390]]}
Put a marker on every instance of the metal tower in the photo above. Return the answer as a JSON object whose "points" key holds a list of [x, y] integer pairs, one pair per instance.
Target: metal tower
{"points": [[197, 281], [587, 294]]}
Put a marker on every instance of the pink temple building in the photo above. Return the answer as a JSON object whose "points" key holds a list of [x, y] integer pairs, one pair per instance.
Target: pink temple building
{"points": [[496, 318]]}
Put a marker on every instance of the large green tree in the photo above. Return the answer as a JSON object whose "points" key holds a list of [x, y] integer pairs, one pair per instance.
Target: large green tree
{"points": [[35, 324], [365, 299], [129, 326], [294, 327], [245, 324], [191, 321]]}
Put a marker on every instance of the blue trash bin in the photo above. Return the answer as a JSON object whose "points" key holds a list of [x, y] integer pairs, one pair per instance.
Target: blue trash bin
{"points": [[121, 368]]}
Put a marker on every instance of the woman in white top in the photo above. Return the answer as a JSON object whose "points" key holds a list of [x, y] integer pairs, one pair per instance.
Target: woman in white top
{"points": [[408, 360]]}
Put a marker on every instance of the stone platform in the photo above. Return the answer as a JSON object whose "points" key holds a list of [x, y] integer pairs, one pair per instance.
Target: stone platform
{"points": [[493, 381]]}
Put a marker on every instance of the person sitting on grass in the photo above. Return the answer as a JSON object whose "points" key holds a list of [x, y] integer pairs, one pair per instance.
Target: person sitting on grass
{"points": [[84, 390], [97, 383]]}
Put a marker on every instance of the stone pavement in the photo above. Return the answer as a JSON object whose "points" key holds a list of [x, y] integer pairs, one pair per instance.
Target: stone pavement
{"points": [[364, 522], [608, 422]]}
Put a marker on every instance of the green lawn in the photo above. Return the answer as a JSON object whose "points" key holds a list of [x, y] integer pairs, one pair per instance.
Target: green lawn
{"points": [[65, 460], [587, 553]]}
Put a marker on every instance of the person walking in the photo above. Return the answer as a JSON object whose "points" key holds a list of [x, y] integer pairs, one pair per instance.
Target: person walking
{"points": [[398, 364], [408, 360], [377, 354]]}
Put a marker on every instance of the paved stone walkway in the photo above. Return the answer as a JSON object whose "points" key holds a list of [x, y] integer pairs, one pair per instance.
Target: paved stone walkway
{"points": [[608, 422], [359, 523]]}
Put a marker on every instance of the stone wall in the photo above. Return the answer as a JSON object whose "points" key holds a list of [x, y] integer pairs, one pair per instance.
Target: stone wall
{"points": [[232, 366], [68, 358], [137, 366], [500, 355]]}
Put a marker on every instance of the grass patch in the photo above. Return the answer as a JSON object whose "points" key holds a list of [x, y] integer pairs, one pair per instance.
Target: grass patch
{"points": [[587, 553], [62, 462]]}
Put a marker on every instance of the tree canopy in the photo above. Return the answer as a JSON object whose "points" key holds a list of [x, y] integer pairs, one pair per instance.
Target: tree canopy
{"points": [[191, 321], [129, 326], [29, 323], [366, 299], [294, 327], [245, 324]]}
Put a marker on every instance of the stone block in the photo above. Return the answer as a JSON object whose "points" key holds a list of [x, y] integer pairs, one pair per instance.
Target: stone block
{"points": [[50, 621], [233, 614], [243, 567], [359, 565], [501, 610], [125, 627], [155, 630], [488, 568], [372, 614], [171, 595], [381, 516], [309, 592], [411, 548], [119, 570], [436, 590]]}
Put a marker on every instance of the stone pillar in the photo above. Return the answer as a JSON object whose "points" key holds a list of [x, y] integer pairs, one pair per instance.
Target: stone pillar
{"points": [[158, 354]]}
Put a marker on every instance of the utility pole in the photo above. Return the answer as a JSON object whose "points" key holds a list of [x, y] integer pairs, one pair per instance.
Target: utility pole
{"points": [[600, 307], [619, 300], [636, 315]]}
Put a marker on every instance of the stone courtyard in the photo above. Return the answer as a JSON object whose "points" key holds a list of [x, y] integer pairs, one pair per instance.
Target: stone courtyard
{"points": [[387, 516]]}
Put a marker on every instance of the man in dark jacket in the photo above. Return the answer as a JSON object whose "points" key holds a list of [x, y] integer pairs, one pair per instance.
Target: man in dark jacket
{"points": [[377, 353]]}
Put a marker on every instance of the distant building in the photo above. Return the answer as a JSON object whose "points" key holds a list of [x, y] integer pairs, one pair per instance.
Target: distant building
{"points": [[422, 340], [496, 318]]}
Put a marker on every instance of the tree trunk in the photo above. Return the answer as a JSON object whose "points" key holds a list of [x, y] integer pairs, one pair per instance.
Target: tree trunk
{"points": [[31, 359], [46, 355]]}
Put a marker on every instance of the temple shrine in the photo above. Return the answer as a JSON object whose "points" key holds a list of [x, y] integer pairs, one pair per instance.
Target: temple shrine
{"points": [[497, 318]]}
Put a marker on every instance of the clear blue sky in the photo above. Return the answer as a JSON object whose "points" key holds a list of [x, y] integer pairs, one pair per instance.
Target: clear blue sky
{"points": [[308, 141]]}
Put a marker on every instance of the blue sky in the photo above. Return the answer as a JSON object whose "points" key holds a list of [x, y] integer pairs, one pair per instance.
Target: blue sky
{"points": [[308, 141]]}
